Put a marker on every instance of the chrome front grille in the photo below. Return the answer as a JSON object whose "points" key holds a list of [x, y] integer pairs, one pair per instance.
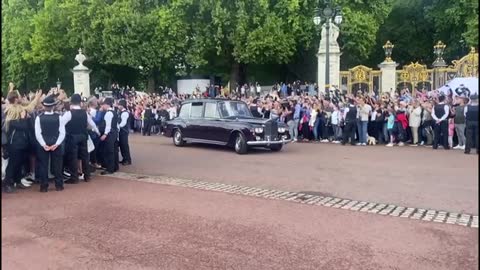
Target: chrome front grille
{"points": [[271, 130]]}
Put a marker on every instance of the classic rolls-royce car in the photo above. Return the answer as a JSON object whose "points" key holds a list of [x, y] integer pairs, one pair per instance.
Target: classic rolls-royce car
{"points": [[225, 122]]}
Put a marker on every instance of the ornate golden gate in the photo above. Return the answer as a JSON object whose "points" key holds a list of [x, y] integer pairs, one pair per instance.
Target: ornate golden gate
{"points": [[415, 76], [360, 78], [467, 66]]}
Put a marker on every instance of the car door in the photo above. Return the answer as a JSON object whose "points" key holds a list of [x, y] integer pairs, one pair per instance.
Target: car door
{"points": [[195, 120], [212, 128]]}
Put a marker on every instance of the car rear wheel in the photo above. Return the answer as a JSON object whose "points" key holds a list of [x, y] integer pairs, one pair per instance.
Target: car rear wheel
{"points": [[276, 147], [240, 144], [178, 138]]}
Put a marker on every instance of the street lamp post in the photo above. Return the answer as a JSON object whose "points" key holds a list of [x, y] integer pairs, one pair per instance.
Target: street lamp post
{"points": [[462, 47], [388, 48], [327, 14], [59, 84], [439, 63]]}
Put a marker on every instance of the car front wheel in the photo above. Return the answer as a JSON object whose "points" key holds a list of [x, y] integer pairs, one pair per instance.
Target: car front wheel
{"points": [[178, 138], [240, 144]]}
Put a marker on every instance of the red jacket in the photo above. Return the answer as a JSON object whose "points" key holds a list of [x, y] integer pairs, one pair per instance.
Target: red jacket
{"points": [[402, 118]]}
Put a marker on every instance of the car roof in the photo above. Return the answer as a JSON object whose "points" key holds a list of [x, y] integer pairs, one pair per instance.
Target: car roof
{"points": [[209, 100]]}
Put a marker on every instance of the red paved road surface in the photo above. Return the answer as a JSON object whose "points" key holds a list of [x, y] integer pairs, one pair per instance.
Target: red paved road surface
{"points": [[121, 224], [408, 176]]}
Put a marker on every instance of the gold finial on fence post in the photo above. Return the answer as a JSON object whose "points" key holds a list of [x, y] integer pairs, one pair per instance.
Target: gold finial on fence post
{"points": [[388, 48]]}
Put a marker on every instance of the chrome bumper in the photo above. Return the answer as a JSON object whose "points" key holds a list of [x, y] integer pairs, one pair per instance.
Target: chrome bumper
{"points": [[268, 143]]}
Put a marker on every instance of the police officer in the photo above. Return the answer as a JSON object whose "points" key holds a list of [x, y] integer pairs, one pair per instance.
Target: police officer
{"points": [[76, 122], [124, 126], [50, 133], [147, 120], [350, 116], [440, 114], [471, 118], [109, 133]]}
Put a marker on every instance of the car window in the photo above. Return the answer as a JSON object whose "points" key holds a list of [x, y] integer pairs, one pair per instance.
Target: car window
{"points": [[234, 109], [185, 111], [196, 110], [211, 110]]}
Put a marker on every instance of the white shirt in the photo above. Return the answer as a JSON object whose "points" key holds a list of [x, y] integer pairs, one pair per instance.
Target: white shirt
{"points": [[38, 131], [172, 112], [363, 112], [335, 117], [124, 119], [108, 121], [414, 119], [67, 116], [313, 118], [93, 112], [445, 115], [373, 116], [345, 111]]}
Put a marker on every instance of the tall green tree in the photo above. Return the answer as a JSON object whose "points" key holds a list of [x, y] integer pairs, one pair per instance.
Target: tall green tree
{"points": [[248, 31], [17, 28], [408, 29], [362, 22], [455, 23]]}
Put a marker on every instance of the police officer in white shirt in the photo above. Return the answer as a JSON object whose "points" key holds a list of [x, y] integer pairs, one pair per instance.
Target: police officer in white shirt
{"points": [[50, 133], [440, 128], [124, 127]]}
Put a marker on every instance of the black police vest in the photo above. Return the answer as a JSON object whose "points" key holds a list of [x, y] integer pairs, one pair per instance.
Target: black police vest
{"points": [[472, 113], [351, 114], [78, 124], [50, 124], [127, 125], [439, 110], [113, 125], [101, 124]]}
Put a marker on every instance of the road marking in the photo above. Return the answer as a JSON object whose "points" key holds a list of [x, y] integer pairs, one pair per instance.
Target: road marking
{"points": [[341, 204], [325, 200], [367, 207], [316, 200], [349, 205], [377, 208], [423, 215], [332, 202], [387, 210], [358, 206], [397, 211]]}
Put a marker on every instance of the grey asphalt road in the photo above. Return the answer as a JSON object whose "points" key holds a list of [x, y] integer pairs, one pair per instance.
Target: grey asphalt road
{"points": [[122, 224], [407, 176]]}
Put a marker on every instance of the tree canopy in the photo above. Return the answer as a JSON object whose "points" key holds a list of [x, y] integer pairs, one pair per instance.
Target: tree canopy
{"points": [[232, 39]]}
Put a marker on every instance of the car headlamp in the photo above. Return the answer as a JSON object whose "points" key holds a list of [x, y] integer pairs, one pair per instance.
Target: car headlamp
{"points": [[258, 130]]}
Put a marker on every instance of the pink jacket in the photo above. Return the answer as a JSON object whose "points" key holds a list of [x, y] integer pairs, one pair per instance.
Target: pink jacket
{"points": [[451, 127]]}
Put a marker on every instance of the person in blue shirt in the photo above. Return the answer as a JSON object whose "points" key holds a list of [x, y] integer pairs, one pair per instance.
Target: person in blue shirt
{"points": [[297, 110], [284, 90]]}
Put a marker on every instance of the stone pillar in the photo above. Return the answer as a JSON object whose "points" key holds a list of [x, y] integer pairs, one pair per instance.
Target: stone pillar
{"points": [[334, 54], [389, 76], [81, 76]]}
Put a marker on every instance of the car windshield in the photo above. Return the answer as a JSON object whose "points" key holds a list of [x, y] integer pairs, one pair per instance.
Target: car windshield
{"points": [[234, 109]]}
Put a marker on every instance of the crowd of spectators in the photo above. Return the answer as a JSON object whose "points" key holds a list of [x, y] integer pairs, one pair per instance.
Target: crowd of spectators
{"points": [[393, 118]]}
